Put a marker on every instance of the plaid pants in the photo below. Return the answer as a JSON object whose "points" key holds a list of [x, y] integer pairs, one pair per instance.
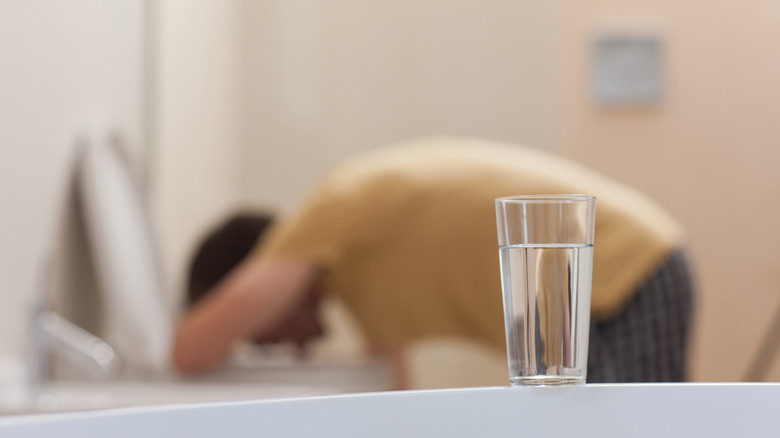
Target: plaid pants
{"points": [[647, 341]]}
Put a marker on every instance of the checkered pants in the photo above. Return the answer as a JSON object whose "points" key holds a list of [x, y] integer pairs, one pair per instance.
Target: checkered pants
{"points": [[647, 341]]}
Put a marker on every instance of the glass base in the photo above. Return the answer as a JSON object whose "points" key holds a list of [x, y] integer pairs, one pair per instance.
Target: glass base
{"points": [[546, 381]]}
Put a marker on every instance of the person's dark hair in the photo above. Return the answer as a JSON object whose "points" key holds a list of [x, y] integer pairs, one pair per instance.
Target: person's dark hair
{"points": [[223, 248]]}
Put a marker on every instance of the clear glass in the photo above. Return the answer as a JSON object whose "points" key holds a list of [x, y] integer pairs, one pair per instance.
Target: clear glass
{"points": [[546, 253]]}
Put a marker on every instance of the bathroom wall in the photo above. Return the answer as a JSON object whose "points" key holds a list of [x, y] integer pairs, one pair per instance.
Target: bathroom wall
{"points": [[324, 81], [66, 67], [255, 99], [707, 151], [196, 163]]}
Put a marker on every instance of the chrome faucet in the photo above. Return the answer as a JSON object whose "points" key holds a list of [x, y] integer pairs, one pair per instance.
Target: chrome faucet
{"points": [[88, 351], [52, 334]]}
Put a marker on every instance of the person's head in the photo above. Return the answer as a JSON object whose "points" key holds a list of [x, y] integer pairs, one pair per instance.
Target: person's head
{"points": [[223, 248]]}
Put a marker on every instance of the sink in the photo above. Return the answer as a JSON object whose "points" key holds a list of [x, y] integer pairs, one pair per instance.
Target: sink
{"points": [[234, 382]]}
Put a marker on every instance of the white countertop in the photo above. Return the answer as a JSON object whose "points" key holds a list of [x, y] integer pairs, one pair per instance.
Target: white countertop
{"points": [[641, 410]]}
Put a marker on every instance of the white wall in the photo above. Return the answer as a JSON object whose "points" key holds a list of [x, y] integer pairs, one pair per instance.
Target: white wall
{"points": [[65, 65]]}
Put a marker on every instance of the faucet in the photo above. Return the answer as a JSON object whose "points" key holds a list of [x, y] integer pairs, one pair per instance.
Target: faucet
{"points": [[54, 334]]}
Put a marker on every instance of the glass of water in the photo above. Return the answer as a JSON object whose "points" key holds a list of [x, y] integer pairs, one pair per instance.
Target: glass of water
{"points": [[546, 250]]}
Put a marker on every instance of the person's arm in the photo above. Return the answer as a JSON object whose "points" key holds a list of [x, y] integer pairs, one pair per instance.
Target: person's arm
{"points": [[397, 358], [253, 299]]}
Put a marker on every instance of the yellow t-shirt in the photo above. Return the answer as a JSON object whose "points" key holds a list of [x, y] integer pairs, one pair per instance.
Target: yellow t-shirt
{"points": [[406, 235]]}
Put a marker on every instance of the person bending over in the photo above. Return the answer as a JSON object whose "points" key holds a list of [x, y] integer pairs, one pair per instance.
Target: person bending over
{"points": [[405, 236]]}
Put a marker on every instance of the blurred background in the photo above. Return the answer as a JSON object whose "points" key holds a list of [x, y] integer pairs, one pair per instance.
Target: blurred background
{"points": [[225, 104]]}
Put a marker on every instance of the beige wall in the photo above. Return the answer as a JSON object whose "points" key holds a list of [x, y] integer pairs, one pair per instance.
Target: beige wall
{"points": [[328, 79], [68, 69], [198, 112], [708, 152], [255, 99]]}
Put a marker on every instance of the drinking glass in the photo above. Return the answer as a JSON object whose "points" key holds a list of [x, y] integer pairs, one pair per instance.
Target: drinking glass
{"points": [[546, 253]]}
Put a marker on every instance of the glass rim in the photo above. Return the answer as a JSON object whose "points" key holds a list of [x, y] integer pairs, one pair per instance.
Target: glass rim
{"points": [[546, 198]]}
